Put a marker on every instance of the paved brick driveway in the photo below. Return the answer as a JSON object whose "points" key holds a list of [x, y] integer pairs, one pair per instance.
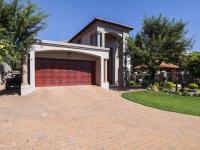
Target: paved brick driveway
{"points": [[88, 117]]}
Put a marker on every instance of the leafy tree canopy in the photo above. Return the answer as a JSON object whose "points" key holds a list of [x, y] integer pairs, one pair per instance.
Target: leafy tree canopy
{"points": [[193, 64], [19, 24], [7, 53], [160, 39]]}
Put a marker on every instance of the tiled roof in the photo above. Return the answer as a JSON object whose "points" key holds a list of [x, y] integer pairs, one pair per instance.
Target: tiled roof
{"points": [[162, 65], [168, 65]]}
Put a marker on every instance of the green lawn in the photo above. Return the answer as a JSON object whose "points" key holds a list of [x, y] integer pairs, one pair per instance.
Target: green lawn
{"points": [[168, 102]]}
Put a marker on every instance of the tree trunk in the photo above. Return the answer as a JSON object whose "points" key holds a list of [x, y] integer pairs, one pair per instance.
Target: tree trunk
{"points": [[153, 74], [24, 70]]}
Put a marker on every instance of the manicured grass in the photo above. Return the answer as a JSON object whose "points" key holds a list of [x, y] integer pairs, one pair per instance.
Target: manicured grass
{"points": [[168, 102]]}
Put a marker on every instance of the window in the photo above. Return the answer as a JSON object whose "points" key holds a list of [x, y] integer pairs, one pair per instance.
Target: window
{"points": [[93, 39], [100, 39]]}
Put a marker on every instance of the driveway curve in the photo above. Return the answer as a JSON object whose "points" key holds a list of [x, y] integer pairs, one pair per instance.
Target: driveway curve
{"points": [[91, 118]]}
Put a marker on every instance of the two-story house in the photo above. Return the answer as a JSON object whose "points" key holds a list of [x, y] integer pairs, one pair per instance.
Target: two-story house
{"points": [[94, 56]]}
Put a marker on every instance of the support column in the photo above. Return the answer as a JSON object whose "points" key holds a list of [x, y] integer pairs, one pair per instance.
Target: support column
{"points": [[102, 32], [102, 71], [116, 64], [32, 68], [25, 71], [105, 70], [103, 39], [104, 84], [99, 40], [27, 88]]}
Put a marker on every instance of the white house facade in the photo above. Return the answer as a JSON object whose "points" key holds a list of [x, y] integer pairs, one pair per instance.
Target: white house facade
{"points": [[92, 56]]}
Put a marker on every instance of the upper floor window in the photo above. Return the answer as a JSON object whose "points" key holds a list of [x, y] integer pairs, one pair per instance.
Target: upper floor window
{"points": [[100, 42], [93, 39], [96, 39]]}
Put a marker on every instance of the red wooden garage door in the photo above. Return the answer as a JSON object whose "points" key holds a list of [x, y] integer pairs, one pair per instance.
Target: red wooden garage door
{"points": [[55, 72]]}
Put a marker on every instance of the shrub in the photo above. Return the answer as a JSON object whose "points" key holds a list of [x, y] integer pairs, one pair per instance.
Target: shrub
{"points": [[192, 86], [165, 90], [178, 93], [131, 82], [198, 94], [161, 84], [185, 93], [191, 94], [170, 85], [198, 82], [195, 94], [183, 90]]}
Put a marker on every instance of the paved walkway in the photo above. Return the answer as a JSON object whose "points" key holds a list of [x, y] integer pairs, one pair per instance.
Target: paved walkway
{"points": [[88, 117]]}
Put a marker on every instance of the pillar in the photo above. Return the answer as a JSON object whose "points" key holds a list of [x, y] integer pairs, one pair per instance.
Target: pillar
{"points": [[105, 70], [101, 31], [27, 88], [103, 39], [32, 68], [102, 71], [99, 40], [104, 83], [25, 71]]}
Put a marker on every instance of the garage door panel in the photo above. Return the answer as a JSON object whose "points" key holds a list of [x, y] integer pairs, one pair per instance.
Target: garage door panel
{"points": [[53, 72]]}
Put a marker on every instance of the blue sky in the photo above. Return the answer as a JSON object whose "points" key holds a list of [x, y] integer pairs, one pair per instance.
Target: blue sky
{"points": [[67, 17]]}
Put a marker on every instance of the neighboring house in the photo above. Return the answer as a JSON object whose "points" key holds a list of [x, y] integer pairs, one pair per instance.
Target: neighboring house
{"points": [[168, 67], [167, 70], [93, 56]]}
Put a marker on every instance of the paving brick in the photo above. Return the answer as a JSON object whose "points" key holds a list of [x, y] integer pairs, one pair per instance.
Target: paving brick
{"points": [[90, 118]]}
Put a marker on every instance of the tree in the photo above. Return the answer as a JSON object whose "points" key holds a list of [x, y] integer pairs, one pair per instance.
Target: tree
{"points": [[19, 24], [7, 53], [160, 39], [193, 64]]}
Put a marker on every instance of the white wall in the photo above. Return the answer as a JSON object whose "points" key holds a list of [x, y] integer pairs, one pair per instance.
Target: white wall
{"points": [[65, 55], [85, 36]]}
